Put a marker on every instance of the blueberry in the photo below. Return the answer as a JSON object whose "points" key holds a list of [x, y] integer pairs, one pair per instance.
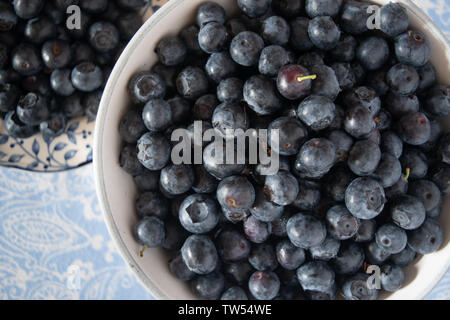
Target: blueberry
{"points": [[154, 151], [315, 8], [254, 8], [150, 232], [281, 188], [437, 101], [366, 231], [349, 259], [316, 276], [427, 192], [179, 269], [414, 128], [377, 81], [300, 40], [403, 79], [291, 133], [427, 75], [262, 257], [324, 33], [356, 288], [212, 37], [344, 74], [171, 50], [176, 179], [168, 74], [234, 293], [265, 210], [72, 106], [219, 170], [392, 277], [199, 213], [305, 231], [275, 30], [131, 127], [151, 204], [61, 83], [359, 122], [9, 95], [294, 81], [326, 83], [365, 198], [200, 254], [343, 143], [228, 117], [327, 250], [87, 77], [260, 95], [28, 9], [412, 48], [246, 47], [236, 193], [383, 120], [204, 107], [317, 112], [399, 188], [337, 182], [345, 49], [375, 254], [427, 238], [190, 38], [287, 8], [308, 197], [416, 161], [441, 177], [204, 182], [8, 18], [146, 85], [232, 246], [181, 109], [208, 286], [25, 59], [32, 109], [407, 212], [157, 115], [192, 83], [393, 19], [278, 226], [235, 26], [340, 223], [238, 272], [404, 258], [364, 157], [354, 17], [264, 285], [210, 12], [256, 230], [131, 4], [272, 59], [230, 90], [54, 126], [289, 256], [220, 66], [17, 128], [391, 238], [147, 181], [39, 29], [316, 157], [389, 170], [399, 105]]}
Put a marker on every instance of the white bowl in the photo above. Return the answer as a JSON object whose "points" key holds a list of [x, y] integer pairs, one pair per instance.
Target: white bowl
{"points": [[117, 191]]}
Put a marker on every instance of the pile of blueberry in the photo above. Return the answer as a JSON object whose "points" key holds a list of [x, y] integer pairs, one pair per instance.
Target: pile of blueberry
{"points": [[364, 161], [55, 61]]}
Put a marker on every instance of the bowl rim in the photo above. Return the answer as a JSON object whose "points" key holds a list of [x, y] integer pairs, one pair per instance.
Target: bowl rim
{"points": [[154, 290]]}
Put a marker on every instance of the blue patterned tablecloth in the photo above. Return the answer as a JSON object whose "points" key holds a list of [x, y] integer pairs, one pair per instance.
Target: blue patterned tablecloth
{"points": [[54, 243]]}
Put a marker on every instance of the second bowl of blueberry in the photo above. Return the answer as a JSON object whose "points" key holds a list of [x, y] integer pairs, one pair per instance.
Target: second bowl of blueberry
{"points": [[274, 149]]}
